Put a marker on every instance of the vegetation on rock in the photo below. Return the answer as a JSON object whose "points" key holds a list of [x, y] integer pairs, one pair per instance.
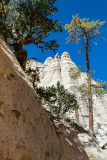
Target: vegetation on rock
{"points": [[58, 99]]}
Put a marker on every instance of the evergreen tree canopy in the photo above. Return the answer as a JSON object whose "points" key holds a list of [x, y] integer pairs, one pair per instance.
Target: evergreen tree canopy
{"points": [[24, 22], [80, 30], [57, 98]]}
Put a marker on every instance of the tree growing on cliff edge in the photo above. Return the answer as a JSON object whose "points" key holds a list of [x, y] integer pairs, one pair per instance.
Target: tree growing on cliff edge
{"points": [[83, 31], [24, 22]]}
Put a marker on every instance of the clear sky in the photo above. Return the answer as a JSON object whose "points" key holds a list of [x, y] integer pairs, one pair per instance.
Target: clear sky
{"points": [[92, 9]]}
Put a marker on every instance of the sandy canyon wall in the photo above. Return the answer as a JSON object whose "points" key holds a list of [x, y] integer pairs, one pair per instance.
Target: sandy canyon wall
{"points": [[26, 132]]}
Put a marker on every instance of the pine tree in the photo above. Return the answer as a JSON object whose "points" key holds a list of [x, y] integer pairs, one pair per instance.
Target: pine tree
{"points": [[58, 99], [83, 31], [24, 22]]}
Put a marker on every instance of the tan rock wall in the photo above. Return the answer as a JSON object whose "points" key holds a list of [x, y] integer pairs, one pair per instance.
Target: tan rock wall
{"points": [[26, 132]]}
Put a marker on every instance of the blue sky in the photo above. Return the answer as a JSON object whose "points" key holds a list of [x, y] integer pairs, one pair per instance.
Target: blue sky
{"points": [[92, 9]]}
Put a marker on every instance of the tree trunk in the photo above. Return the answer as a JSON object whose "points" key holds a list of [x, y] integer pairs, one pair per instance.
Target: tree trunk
{"points": [[59, 110], [89, 88], [76, 115], [21, 54]]}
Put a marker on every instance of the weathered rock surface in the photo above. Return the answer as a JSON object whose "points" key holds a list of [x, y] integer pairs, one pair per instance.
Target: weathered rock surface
{"points": [[26, 132], [63, 70]]}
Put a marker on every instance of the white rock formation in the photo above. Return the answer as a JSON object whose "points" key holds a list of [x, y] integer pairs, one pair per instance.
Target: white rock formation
{"points": [[62, 70]]}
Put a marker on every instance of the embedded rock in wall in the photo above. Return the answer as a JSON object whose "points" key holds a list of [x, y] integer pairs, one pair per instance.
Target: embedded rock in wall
{"points": [[63, 70], [26, 132]]}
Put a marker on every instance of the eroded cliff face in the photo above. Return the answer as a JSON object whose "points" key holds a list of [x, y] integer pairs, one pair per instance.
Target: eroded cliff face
{"points": [[26, 132], [63, 70]]}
